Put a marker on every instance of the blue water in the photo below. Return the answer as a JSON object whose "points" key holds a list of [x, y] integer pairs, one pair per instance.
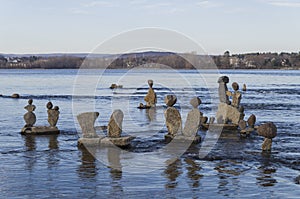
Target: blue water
{"points": [[54, 167]]}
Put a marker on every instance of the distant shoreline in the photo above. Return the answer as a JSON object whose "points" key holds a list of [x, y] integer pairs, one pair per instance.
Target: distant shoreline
{"points": [[250, 61]]}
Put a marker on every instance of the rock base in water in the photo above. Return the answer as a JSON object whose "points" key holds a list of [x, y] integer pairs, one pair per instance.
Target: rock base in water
{"points": [[39, 130], [106, 141], [228, 113], [224, 127], [195, 139]]}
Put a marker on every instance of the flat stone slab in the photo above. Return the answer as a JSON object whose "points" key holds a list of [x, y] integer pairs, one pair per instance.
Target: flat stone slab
{"points": [[105, 141], [225, 127], [39, 130], [195, 140]]}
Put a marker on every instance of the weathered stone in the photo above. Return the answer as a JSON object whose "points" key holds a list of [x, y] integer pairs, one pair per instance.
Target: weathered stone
{"points": [[211, 120], [223, 80], [242, 124], [29, 117], [192, 123], [15, 95], [241, 110], [195, 102], [114, 128], [251, 121], [228, 113], [170, 100], [267, 144], [114, 86], [86, 122], [39, 130], [268, 130], [173, 121], [236, 95], [244, 87], [49, 105], [53, 115], [203, 120], [150, 98]]}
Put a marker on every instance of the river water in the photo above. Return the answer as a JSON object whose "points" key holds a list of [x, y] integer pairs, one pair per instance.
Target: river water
{"points": [[54, 167]]}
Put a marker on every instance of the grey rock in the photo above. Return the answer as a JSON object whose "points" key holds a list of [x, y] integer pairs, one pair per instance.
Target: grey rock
{"points": [[251, 121], [150, 98], [15, 95], [244, 87], [53, 116], [242, 124], [192, 123], [268, 130], [223, 80], [114, 128], [203, 119], [170, 100], [228, 113], [195, 102], [87, 121], [173, 121], [29, 117], [211, 120], [267, 144]]}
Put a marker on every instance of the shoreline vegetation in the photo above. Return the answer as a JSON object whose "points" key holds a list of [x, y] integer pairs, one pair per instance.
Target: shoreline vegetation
{"points": [[164, 60]]}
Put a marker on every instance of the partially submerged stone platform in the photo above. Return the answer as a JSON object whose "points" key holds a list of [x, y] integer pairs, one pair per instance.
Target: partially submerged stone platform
{"points": [[114, 129], [106, 141], [195, 140], [39, 130], [224, 127]]}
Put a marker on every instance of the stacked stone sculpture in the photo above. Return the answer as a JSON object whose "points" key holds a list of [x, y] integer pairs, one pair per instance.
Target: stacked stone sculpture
{"points": [[172, 116], [30, 119], [150, 98], [114, 130], [269, 131]]}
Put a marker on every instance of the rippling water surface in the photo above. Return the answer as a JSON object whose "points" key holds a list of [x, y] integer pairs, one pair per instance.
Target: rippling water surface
{"points": [[53, 166]]}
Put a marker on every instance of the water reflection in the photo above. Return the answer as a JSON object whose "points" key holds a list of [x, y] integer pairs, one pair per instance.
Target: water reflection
{"points": [[113, 156], [151, 114], [172, 172], [193, 169], [30, 142], [87, 169], [266, 171]]}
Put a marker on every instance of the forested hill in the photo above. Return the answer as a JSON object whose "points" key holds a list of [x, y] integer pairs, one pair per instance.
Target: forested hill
{"points": [[152, 60]]}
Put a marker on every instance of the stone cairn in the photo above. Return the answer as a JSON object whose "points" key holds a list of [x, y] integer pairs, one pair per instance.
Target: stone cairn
{"points": [[30, 117], [53, 114], [114, 130], [172, 116], [150, 98], [193, 120], [269, 131]]}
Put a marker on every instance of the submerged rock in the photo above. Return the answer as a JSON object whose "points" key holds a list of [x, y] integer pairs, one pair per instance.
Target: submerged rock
{"points": [[15, 95]]}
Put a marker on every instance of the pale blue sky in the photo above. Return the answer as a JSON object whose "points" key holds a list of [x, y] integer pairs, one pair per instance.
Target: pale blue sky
{"points": [[35, 26]]}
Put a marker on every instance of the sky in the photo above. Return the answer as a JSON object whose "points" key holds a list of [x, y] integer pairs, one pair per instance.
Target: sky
{"points": [[79, 26]]}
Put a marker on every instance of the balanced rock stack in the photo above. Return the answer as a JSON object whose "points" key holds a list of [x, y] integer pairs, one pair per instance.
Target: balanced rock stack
{"points": [[30, 117], [115, 124], [269, 131], [172, 115]]}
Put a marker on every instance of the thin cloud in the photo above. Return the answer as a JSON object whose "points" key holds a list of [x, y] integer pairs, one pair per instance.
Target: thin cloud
{"points": [[282, 3], [78, 11], [208, 4], [101, 4]]}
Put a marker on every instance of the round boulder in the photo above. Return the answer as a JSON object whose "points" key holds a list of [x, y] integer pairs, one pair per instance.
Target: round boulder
{"points": [[195, 102], [268, 130], [170, 100], [235, 86]]}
